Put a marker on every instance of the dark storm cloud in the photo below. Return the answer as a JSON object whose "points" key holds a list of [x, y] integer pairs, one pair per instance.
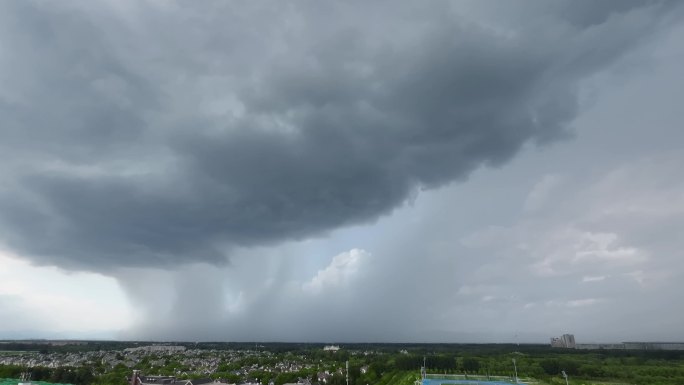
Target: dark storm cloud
{"points": [[138, 135]]}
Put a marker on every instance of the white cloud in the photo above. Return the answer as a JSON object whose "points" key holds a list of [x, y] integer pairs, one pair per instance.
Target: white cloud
{"points": [[597, 278], [342, 269], [594, 247], [584, 302]]}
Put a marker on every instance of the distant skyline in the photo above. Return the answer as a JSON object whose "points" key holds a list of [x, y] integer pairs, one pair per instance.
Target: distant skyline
{"points": [[470, 171]]}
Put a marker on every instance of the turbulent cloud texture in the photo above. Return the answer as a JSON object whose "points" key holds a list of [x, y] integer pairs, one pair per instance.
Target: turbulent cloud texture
{"points": [[156, 133], [285, 170]]}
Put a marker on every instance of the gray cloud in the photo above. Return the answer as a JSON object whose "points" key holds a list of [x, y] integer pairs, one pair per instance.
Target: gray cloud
{"points": [[587, 264], [141, 135], [580, 237]]}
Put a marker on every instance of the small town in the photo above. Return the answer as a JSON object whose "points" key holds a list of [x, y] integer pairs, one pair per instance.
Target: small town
{"points": [[144, 363], [180, 364]]}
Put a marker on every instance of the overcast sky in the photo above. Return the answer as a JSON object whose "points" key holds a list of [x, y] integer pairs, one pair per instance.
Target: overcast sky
{"points": [[468, 171]]}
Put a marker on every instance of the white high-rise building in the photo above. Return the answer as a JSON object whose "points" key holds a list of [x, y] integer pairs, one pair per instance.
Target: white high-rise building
{"points": [[564, 341]]}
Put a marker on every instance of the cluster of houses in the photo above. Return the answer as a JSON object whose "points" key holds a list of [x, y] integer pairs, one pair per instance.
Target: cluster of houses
{"points": [[137, 379], [198, 361], [50, 360], [192, 362], [170, 349]]}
